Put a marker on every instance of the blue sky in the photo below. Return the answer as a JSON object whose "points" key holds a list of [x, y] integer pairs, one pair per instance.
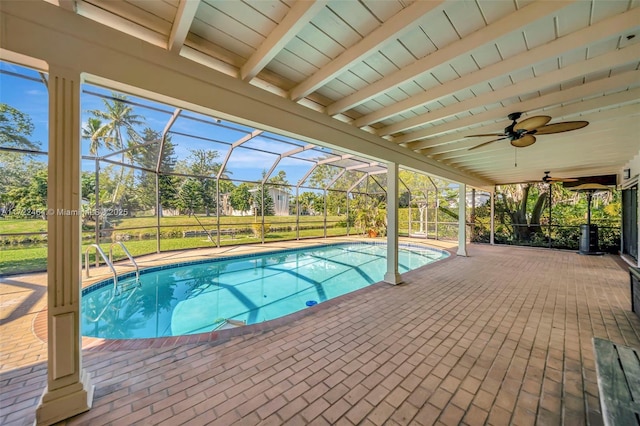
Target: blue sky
{"points": [[247, 162]]}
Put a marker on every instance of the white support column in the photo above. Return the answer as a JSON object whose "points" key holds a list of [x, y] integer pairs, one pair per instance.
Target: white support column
{"points": [[493, 212], [69, 391], [462, 220], [392, 276]]}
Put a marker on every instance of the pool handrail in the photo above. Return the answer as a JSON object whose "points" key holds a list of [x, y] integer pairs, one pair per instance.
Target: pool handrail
{"points": [[106, 260], [121, 244]]}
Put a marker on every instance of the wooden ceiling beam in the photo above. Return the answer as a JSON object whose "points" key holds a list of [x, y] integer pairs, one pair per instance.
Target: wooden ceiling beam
{"points": [[181, 24], [299, 16], [604, 85], [597, 64], [396, 26], [562, 144], [607, 28], [609, 115], [468, 43], [558, 113]]}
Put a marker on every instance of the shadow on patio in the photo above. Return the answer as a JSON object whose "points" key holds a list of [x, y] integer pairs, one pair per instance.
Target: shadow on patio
{"points": [[501, 337]]}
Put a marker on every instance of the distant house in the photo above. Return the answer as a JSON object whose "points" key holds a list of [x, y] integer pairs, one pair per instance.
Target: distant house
{"points": [[280, 201], [279, 196]]}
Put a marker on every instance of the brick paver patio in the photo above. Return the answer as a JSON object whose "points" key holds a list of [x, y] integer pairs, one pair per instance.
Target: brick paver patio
{"points": [[500, 337]]}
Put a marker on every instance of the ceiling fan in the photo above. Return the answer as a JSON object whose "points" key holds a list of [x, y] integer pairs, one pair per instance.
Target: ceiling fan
{"points": [[522, 134], [548, 179]]}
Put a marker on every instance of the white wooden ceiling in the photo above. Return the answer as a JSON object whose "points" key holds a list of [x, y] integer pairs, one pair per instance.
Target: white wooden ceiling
{"points": [[424, 74]]}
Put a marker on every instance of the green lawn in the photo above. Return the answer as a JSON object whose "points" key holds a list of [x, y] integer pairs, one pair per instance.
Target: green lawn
{"points": [[14, 226], [13, 261], [16, 258], [39, 225]]}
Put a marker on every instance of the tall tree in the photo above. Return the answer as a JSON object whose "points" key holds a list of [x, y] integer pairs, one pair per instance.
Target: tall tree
{"points": [[147, 157], [240, 198], [190, 196], [15, 128], [202, 164], [18, 169], [336, 200], [31, 198], [279, 179], [89, 131], [260, 197], [309, 203], [117, 120], [514, 203]]}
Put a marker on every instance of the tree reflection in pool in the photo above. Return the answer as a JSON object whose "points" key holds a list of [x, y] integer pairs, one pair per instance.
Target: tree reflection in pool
{"points": [[202, 296]]}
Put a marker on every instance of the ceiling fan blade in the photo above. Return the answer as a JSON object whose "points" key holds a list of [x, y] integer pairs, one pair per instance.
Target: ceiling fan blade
{"points": [[565, 126], [552, 179], [526, 140], [532, 123], [487, 143], [485, 135]]}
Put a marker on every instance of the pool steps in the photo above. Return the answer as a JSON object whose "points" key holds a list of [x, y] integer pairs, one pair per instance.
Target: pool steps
{"points": [[109, 261], [116, 296]]}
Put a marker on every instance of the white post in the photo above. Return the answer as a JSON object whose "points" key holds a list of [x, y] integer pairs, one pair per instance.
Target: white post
{"points": [[462, 220], [69, 391], [392, 276], [493, 212]]}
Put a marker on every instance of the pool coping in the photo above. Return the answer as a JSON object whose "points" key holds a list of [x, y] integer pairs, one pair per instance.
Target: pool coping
{"points": [[216, 337]]}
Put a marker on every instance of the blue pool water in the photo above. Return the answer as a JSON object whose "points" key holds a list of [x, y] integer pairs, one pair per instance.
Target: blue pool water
{"points": [[200, 296]]}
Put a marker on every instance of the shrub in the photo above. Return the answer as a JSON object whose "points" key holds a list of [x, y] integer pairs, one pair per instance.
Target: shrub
{"points": [[259, 229]]}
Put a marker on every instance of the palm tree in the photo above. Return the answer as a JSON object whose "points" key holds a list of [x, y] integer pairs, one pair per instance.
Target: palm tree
{"points": [[118, 117], [89, 131]]}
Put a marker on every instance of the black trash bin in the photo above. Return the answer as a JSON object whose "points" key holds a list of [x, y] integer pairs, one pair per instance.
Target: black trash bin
{"points": [[589, 239]]}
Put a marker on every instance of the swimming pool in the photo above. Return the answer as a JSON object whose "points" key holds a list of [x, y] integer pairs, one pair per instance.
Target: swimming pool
{"points": [[201, 296]]}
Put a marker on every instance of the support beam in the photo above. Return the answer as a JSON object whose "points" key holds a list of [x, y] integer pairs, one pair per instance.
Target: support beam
{"points": [[181, 24], [473, 213], [163, 139], [601, 30], [598, 64], [70, 5], [619, 81], [33, 29], [69, 390], [392, 276], [589, 110], [468, 43], [299, 15], [493, 212], [234, 145], [119, 23], [285, 155], [462, 220], [393, 28]]}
